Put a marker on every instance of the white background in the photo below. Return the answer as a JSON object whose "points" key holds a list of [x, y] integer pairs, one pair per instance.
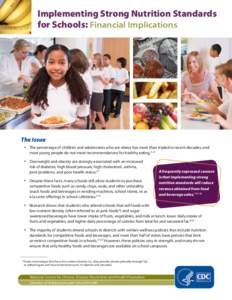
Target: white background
{"points": [[215, 252]]}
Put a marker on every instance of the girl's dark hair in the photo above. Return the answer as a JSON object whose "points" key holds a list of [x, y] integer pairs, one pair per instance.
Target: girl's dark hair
{"points": [[40, 48], [122, 61], [37, 93], [79, 60], [107, 55]]}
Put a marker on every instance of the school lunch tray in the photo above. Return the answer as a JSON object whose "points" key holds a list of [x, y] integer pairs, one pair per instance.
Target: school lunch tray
{"points": [[17, 111]]}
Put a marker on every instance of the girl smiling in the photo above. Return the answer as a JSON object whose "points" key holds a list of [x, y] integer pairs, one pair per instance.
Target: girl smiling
{"points": [[58, 89]]}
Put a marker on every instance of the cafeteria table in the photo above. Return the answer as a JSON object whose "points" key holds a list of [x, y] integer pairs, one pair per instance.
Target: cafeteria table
{"points": [[186, 123]]}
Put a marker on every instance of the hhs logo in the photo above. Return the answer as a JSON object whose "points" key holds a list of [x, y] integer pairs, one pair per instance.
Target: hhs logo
{"points": [[194, 277]]}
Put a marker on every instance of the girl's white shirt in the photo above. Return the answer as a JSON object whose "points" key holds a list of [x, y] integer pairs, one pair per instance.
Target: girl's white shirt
{"points": [[59, 104], [98, 85]]}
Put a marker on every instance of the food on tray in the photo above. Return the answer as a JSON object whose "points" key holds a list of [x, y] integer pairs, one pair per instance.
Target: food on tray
{"points": [[156, 56], [14, 103], [155, 116], [138, 71], [54, 120], [198, 116], [5, 115], [149, 55], [155, 90], [153, 69]]}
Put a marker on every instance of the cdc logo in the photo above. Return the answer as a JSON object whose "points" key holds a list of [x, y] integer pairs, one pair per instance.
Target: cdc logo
{"points": [[194, 277], [203, 277]]}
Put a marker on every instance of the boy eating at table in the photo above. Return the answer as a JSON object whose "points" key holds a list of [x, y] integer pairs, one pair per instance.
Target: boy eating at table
{"points": [[223, 113]]}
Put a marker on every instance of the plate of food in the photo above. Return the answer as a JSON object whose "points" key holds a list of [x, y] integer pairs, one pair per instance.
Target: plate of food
{"points": [[201, 109], [196, 116], [14, 104], [53, 121], [204, 102]]}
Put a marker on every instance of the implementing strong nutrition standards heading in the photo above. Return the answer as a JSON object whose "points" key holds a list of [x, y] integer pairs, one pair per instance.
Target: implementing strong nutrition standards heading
{"points": [[125, 14], [56, 18]]}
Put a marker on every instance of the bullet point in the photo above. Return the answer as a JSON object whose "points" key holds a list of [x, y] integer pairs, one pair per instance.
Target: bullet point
{"points": [[24, 229]]}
